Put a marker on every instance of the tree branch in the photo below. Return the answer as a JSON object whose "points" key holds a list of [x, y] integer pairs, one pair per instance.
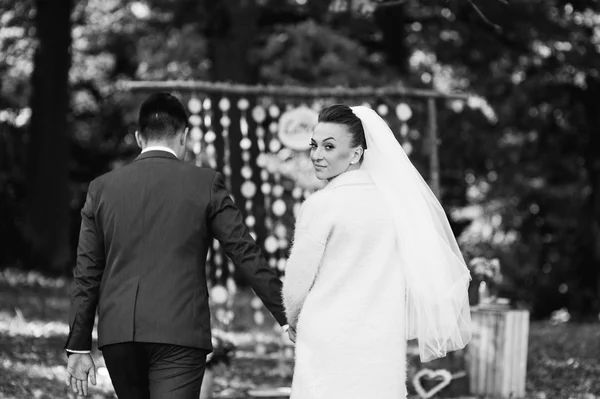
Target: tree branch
{"points": [[497, 28], [391, 3]]}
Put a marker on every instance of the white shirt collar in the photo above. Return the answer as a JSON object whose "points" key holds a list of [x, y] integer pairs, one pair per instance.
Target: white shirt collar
{"points": [[159, 148]]}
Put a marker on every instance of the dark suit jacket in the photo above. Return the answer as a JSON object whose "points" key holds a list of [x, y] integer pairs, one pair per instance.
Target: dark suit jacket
{"points": [[145, 232]]}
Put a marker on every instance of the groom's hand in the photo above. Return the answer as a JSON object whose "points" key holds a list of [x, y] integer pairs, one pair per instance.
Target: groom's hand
{"points": [[79, 366]]}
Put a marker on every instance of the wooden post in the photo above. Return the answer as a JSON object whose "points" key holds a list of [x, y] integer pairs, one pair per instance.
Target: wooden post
{"points": [[434, 161], [497, 353]]}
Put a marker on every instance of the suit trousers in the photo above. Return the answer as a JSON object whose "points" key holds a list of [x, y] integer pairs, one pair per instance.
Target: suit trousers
{"points": [[141, 370]]}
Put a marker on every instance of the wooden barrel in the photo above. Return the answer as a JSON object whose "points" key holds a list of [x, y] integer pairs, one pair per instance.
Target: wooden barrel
{"points": [[497, 354]]}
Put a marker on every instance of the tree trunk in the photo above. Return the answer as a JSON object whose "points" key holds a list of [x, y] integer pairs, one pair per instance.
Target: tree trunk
{"points": [[590, 270], [232, 33], [47, 225]]}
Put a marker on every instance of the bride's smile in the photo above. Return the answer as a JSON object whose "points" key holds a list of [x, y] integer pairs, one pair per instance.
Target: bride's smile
{"points": [[333, 151]]}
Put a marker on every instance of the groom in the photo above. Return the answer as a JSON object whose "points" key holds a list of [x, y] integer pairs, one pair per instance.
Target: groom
{"points": [[145, 232]]}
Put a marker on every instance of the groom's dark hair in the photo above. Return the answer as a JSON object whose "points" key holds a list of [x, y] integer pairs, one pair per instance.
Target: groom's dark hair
{"points": [[161, 116]]}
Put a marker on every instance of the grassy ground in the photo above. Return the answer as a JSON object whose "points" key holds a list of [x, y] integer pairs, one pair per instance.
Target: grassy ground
{"points": [[563, 360]]}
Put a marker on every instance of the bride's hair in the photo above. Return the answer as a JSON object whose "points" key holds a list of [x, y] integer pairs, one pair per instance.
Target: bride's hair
{"points": [[343, 115]]}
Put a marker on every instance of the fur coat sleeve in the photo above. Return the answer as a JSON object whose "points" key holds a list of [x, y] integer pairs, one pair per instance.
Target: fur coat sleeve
{"points": [[313, 228]]}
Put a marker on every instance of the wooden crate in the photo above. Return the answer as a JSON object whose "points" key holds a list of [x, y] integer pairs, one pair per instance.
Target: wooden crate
{"points": [[497, 354]]}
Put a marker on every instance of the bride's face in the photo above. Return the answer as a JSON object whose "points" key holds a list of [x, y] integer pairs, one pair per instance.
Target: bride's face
{"points": [[331, 152]]}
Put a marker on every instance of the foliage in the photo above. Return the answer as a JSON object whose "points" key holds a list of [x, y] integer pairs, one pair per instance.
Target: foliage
{"points": [[298, 54], [536, 76], [518, 159], [16, 53]]}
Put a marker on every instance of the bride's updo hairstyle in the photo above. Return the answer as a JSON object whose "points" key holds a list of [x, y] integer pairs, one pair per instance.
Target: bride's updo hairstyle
{"points": [[343, 115]]}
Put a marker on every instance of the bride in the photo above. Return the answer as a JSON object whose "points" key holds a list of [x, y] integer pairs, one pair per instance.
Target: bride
{"points": [[374, 263]]}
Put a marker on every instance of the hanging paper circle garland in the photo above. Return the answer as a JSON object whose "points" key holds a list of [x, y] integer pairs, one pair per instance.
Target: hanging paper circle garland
{"points": [[196, 133], [220, 315], [278, 190], [274, 145], [210, 137], [261, 160], [246, 172], [245, 144], [194, 105], [382, 109], [248, 189], [279, 207], [403, 112], [224, 104], [217, 258], [219, 294], [273, 111], [195, 120], [259, 317], [297, 193], [280, 230], [414, 134], [243, 104], [231, 286], [256, 303], [281, 264], [265, 128], [271, 244], [197, 148], [404, 130], [259, 114], [265, 188]]}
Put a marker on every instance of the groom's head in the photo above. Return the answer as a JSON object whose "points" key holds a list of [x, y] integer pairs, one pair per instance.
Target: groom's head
{"points": [[162, 118]]}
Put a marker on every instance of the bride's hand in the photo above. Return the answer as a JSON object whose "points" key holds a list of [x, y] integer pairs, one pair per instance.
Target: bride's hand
{"points": [[292, 334]]}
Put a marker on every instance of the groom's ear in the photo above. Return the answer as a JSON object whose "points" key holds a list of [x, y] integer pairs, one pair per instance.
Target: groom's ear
{"points": [[184, 136], [138, 139]]}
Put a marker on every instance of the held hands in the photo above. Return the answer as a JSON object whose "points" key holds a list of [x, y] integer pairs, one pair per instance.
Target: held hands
{"points": [[292, 334], [79, 366]]}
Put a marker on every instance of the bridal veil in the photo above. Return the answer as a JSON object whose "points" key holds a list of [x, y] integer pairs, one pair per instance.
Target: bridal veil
{"points": [[437, 278]]}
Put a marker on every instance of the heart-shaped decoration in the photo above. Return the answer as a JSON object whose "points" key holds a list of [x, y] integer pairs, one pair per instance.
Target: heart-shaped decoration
{"points": [[445, 376]]}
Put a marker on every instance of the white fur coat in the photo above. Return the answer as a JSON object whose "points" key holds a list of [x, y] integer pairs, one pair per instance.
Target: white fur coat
{"points": [[344, 292]]}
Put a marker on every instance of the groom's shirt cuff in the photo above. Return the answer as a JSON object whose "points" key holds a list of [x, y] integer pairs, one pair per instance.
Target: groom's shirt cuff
{"points": [[286, 327], [80, 352]]}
